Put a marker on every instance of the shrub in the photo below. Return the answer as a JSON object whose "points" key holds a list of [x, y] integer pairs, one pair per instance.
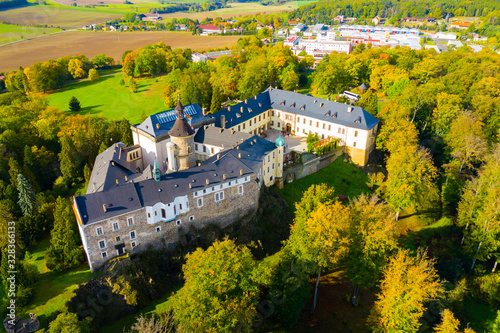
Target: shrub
{"points": [[93, 74]]}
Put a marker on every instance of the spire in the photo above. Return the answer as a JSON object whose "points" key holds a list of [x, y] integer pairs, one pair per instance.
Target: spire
{"points": [[156, 172], [180, 109]]}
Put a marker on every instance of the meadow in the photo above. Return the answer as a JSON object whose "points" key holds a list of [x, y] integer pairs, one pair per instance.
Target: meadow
{"points": [[92, 43], [10, 32], [108, 98]]}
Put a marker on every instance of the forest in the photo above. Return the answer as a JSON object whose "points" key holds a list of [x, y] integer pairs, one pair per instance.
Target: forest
{"points": [[437, 164]]}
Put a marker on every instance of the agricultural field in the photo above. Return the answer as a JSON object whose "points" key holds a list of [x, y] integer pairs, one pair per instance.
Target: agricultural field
{"points": [[93, 43], [108, 98], [10, 32]]}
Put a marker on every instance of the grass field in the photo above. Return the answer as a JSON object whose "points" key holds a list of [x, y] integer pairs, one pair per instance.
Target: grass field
{"points": [[10, 32], [93, 43], [53, 290], [109, 98], [345, 178]]}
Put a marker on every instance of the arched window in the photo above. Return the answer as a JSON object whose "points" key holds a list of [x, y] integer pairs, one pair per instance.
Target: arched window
{"points": [[189, 149]]}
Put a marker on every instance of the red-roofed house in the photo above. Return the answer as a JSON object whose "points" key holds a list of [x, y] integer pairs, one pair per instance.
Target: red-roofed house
{"points": [[291, 41], [209, 29], [150, 17]]}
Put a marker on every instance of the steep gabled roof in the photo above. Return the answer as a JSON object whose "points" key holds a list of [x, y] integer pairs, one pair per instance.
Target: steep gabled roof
{"points": [[216, 136]]}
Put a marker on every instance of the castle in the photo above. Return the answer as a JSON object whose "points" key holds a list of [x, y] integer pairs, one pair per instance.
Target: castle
{"points": [[190, 168]]}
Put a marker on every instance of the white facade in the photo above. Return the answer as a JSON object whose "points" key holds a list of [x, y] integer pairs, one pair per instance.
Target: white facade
{"points": [[167, 212], [311, 46]]}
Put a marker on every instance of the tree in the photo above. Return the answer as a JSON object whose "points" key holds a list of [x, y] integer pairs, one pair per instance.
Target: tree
{"points": [[408, 282], [27, 198], [102, 61], [68, 322], [164, 323], [63, 252], [410, 179], [467, 140], [93, 74], [219, 294], [372, 238], [449, 323], [74, 104]]}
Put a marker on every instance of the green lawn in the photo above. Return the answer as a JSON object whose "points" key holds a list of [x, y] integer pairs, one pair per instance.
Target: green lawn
{"points": [[109, 98], [53, 290], [11, 32], [345, 178], [140, 7]]}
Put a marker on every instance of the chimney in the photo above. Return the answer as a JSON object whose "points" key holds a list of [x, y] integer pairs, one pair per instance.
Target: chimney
{"points": [[223, 121], [241, 109], [199, 163], [228, 108], [190, 185], [239, 155], [126, 179], [207, 181], [246, 101], [237, 147], [224, 176], [218, 156], [117, 182], [251, 143], [112, 163], [232, 131], [241, 172], [315, 101], [255, 97], [104, 208], [220, 131], [204, 111], [320, 105], [349, 109], [157, 126], [93, 186]]}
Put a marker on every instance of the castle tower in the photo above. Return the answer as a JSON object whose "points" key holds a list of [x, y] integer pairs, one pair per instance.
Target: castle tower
{"points": [[182, 135], [280, 144]]}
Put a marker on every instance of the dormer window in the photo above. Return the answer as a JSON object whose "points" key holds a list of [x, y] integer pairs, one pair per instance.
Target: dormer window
{"points": [[260, 105], [292, 105], [282, 103]]}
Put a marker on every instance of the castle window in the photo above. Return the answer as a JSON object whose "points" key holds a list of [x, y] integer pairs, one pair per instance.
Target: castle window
{"points": [[340, 130], [243, 125], [239, 128], [117, 238], [246, 178], [149, 215], [219, 196], [274, 154], [99, 231], [272, 113], [158, 229], [156, 213], [272, 123], [200, 202], [104, 254], [204, 191], [329, 127], [191, 218], [278, 114], [180, 206], [298, 119], [268, 170], [130, 221], [304, 131], [354, 144], [259, 118], [298, 129], [343, 131], [102, 244], [133, 244], [355, 134], [132, 235], [264, 116], [196, 147], [240, 189], [317, 124], [273, 165], [304, 121], [178, 222], [324, 125], [204, 149], [212, 150], [279, 125], [189, 149], [116, 226], [221, 186], [163, 213]]}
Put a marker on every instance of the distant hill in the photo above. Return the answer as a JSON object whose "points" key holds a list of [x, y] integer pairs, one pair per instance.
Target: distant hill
{"points": [[6, 4]]}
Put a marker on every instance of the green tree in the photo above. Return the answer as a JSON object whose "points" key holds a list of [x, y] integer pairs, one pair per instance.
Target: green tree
{"points": [[408, 283], [27, 197], [74, 104], [219, 294], [68, 322], [75, 68], [63, 251], [372, 238], [93, 74], [449, 323]]}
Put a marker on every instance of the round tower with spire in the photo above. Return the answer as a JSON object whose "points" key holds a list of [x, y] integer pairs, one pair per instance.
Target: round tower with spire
{"points": [[182, 136], [280, 144]]}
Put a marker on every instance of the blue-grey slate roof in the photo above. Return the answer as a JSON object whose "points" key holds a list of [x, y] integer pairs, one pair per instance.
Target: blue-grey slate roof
{"points": [[304, 105], [166, 120], [131, 196], [216, 136]]}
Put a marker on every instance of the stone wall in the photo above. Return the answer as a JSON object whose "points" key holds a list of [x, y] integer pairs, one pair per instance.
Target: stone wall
{"points": [[233, 207], [185, 152], [312, 166]]}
